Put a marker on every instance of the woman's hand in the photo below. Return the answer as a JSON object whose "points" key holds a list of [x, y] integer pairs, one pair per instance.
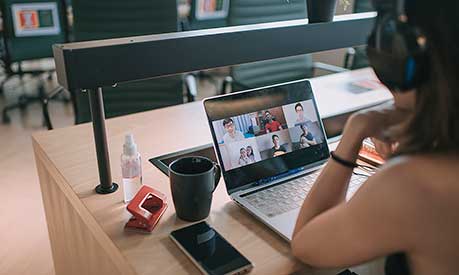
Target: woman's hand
{"points": [[384, 149], [377, 123]]}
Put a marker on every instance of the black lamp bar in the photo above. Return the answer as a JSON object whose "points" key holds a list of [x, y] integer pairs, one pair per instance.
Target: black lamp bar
{"points": [[84, 65]]}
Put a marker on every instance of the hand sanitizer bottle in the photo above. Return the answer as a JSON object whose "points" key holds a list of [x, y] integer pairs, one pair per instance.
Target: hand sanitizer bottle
{"points": [[131, 168]]}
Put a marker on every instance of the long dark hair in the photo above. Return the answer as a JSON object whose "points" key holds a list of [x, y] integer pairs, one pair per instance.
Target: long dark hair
{"points": [[434, 126]]}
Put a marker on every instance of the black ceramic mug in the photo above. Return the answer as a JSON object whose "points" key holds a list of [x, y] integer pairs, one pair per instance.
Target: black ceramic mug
{"points": [[193, 181]]}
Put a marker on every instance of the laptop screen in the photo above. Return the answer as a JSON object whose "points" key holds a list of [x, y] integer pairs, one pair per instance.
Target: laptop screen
{"points": [[263, 133]]}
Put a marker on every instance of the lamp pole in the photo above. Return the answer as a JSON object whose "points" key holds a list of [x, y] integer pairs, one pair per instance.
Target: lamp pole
{"points": [[96, 103]]}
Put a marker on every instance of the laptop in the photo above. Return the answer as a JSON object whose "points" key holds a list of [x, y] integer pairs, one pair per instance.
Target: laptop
{"points": [[271, 145]]}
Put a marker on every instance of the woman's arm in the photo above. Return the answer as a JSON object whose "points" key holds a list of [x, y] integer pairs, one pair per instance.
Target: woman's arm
{"points": [[311, 142], [372, 224], [331, 186], [325, 216]]}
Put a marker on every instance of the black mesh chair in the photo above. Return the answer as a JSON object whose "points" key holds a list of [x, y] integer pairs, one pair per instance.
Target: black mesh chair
{"points": [[246, 76], [30, 28], [103, 19], [356, 57]]}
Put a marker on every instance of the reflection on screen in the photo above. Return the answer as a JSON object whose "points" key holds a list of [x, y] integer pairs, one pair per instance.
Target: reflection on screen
{"points": [[249, 138]]}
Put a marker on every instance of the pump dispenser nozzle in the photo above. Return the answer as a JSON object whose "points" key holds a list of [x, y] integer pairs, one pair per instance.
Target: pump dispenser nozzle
{"points": [[129, 147]]}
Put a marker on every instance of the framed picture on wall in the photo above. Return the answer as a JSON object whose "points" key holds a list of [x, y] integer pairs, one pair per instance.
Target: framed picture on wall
{"points": [[35, 19], [211, 9]]}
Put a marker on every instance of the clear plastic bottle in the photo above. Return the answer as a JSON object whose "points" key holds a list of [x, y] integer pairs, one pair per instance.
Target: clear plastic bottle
{"points": [[131, 168]]}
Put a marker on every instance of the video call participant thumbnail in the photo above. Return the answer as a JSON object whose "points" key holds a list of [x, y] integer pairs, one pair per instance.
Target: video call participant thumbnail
{"points": [[277, 149], [247, 156], [271, 125], [301, 119], [231, 134], [307, 138]]}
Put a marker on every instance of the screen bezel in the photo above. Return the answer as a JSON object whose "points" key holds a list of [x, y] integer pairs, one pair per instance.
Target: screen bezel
{"points": [[240, 269], [251, 94]]}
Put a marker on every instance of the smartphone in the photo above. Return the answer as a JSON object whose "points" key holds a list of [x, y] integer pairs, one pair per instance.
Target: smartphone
{"points": [[209, 251]]}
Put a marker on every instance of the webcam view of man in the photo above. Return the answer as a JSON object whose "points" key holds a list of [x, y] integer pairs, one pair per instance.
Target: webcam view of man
{"points": [[231, 134], [307, 138], [301, 119], [271, 124], [277, 149]]}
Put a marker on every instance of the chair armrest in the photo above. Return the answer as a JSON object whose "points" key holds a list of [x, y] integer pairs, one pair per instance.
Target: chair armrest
{"points": [[328, 67], [184, 25], [191, 87], [45, 102], [349, 58], [226, 82]]}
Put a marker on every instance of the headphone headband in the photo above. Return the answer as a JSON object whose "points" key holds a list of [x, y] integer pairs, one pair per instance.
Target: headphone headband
{"points": [[394, 48]]}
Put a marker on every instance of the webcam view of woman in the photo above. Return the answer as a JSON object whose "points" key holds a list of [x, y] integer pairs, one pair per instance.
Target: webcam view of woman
{"points": [[231, 134], [277, 149], [243, 159], [250, 154]]}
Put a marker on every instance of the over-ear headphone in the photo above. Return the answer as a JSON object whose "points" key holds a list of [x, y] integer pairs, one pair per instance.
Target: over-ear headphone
{"points": [[397, 49]]}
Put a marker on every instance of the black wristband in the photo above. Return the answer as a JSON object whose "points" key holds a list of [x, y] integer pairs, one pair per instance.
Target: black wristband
{"points": [[343, 162]]}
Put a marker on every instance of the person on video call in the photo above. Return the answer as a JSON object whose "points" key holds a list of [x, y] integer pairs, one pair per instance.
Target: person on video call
{"points": [[300, 119], [243, 158], [277, 149], [231, 134], [307, 138], [271, 124], [250, 154], [408, 210]]}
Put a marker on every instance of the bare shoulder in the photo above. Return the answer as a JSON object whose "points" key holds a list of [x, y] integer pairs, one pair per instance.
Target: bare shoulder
{"points": [[418, 191], [423, 175]]}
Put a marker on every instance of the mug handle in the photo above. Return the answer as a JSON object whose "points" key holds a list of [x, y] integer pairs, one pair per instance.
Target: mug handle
{"points": [[217, 175]]}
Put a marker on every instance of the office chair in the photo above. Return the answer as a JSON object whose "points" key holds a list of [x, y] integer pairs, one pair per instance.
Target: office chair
{"points": [[263, 73], [356, 57], [104, 19], [30, 28], [196, 20]]}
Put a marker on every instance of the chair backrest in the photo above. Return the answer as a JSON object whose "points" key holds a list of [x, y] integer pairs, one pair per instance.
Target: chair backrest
{"points": [[101, 19], [206, 14], [243, 12], [268, 72], [31, 28], [360, 59], [363, 6]]}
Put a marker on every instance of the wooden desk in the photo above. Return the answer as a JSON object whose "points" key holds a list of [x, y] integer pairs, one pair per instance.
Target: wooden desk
{"points": [[86, 229]]}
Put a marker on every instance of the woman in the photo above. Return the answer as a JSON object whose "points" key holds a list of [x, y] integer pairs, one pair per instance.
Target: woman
{"points": [[250, 154], [243, 159], [410, 206]]}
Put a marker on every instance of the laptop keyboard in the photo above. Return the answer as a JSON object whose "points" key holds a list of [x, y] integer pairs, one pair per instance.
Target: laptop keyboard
{"points": [[290, 195]]}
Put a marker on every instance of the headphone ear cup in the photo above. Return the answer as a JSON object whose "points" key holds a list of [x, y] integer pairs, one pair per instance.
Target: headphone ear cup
{"points": [[400, 63]]}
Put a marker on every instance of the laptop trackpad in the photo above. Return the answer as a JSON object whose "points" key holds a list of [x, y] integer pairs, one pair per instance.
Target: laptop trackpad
{"points": [[285, 223]]}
